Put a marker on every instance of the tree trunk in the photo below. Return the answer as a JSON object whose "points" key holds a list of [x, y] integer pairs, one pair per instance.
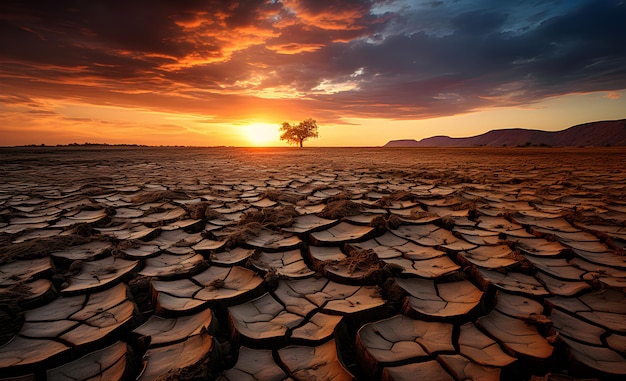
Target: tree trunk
{"points": [[301, 140]]}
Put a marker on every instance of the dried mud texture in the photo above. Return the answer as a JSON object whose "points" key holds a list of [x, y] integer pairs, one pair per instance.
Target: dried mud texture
{"points": [[195, 264]]}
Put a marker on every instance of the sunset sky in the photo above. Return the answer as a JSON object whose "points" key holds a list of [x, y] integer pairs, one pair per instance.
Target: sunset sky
{"points": [[215, 72]]}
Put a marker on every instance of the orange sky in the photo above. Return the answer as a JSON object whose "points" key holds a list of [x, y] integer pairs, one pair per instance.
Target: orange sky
{"points": [[213, 73]]}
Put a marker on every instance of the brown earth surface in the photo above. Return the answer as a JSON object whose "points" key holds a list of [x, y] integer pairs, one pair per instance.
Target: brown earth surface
{"points": [[315, 263]]}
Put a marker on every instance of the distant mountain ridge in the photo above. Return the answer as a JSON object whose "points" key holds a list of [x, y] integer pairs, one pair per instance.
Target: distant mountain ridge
{"points": [[602, 133]]}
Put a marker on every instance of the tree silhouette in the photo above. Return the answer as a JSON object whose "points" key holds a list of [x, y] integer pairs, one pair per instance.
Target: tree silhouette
{"points": [[298, 133]]}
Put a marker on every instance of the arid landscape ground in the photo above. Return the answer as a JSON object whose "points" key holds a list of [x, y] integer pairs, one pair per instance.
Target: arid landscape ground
{"points": [[315, 263]]}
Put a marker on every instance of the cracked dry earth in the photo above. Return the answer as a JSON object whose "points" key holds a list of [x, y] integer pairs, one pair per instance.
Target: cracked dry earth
{"points": [[328, 264]]}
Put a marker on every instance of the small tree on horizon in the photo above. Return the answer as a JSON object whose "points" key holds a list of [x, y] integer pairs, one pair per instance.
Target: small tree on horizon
{"points": [[298, 133]]}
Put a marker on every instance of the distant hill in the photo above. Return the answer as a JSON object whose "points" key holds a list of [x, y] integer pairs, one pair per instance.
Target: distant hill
{"points": [[604, 133]]}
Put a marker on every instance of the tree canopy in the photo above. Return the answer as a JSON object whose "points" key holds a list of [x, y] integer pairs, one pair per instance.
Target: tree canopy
{"points": [[298, 133]]}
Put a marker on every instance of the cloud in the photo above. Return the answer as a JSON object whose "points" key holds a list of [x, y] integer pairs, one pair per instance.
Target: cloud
{"points": [[331, 60], [614, 95], [478, 23]]}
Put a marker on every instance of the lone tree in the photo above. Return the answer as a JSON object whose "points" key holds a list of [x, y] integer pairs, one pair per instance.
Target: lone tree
{"points": [[298, 133]]}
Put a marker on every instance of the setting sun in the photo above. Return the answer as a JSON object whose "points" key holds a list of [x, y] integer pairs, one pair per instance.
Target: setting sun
{"points": [[261, 134]]}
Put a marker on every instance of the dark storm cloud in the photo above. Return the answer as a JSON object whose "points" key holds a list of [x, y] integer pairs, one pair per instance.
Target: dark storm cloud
{"points": [[474, 61], [476, 23], [394, 59]]}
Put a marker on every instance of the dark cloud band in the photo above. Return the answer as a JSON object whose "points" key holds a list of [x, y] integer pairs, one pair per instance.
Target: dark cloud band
{"points": [[338, 58]]}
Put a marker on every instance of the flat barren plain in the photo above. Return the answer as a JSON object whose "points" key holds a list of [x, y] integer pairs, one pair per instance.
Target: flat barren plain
{"points": [[312, 264]]}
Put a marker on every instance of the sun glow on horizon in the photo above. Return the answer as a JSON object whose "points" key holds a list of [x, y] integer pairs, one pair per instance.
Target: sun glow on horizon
{"points": [[261, 134]]}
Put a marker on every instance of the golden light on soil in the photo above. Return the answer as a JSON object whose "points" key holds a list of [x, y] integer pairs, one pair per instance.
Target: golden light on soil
{"points": [[261, 134]]}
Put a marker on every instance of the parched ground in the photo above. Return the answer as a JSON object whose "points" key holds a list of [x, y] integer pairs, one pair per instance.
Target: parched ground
{"points": [[315, 263]]}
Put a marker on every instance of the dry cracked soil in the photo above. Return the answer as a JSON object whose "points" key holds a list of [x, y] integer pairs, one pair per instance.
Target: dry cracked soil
{"points": [[176, 263]]}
